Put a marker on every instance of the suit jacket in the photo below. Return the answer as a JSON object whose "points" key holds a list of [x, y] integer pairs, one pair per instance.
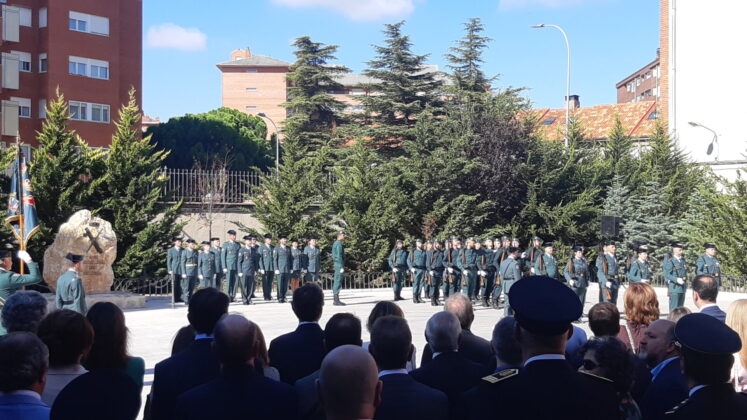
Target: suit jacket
{"points": [[102, 394], [474, 348], [667, 390], [451, 373], [298, 353], [404, 398], [15, 406], [181, 372], [243, 395], [308, 400], [712, 402], [715, 312]]}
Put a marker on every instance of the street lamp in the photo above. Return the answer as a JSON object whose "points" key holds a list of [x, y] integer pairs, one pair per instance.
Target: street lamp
{"points": [[567, 76], [714, 140], [277, 144]]}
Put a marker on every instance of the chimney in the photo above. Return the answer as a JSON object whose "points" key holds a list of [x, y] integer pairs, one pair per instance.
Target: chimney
{"points": [[573, 103], [239, 54]]}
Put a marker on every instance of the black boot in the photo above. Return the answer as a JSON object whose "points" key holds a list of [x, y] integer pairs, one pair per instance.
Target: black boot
{"points": [[485, 303], [414, 299], [398, 296], [337, 301]]}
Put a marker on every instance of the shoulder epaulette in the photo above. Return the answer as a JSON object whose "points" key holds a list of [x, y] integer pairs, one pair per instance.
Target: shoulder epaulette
{"points": [[677, 407], [597, 376], [499, 376]]}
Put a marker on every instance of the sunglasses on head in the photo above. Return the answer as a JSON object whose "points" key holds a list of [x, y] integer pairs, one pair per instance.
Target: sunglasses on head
{"points": [[589, 364]]}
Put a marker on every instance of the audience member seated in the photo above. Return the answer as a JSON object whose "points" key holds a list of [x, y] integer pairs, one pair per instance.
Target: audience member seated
{"points": [[109, 350], [402, 397], [471, 346], [705, 293], [342, 329], [69, 336], [505, 346], [449, 371], [348, 386], [604, 319], [183, 338], [300, 353], [677, 313], [262, 362], [736, 319], [385, 308], [668, 386], [23, 311], [104, 393], [708, 346], [641, 309], [196, 364], [23, 371], [607, 357], [238, 392]]}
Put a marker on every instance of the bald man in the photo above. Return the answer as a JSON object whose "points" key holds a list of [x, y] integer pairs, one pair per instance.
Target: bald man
{"points": [[348, 386]]}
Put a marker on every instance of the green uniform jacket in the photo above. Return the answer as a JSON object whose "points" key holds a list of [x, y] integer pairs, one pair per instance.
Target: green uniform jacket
{"points": [[312, 262], [10, 281], [417, 259], [206, 264], [248, 260], [174, 261], [580, 272], [674, 268], [546, 265], [510, 270], [435, 262], [189, 262], [229, 256], [297, 260], [486, 260], [70, 293], [533, 255], [639, 270], [282, 259], [612, 270], [216, 251], [338, 255], [265, 257], [398, 259], [467, 259], [706, 264]]}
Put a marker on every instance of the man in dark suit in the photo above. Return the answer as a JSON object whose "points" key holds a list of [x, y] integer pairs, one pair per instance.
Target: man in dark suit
{"points": [[196, 364], [403, 398], [668, 386], [300, 353], [100, 394], [23, 373], [342, 329], [705, 293], [708, 346], [474, 348], [239, 392], [546, 387], [449, 372]]}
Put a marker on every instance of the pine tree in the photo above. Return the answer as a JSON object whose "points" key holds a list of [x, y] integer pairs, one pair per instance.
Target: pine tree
{"points": [[466, 59], [618, 151], [132, 187]]}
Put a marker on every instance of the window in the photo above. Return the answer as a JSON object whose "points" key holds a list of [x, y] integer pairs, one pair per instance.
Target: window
{"points": [[648, 75], [77, 68], [78, 25], [24, 107], [43, 17], [25, 16], [99, 72], [99, 113], [42, 108], [82, 22], [654, 115], [88, 67], [84, 111], [251, 70], [24, 60], [548, 121], [251, 89], [43, 63]]}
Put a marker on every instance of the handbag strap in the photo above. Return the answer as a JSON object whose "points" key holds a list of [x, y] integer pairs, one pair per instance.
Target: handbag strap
{"points": [[630, 340]]}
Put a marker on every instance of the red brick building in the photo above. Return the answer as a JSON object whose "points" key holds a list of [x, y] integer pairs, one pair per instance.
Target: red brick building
{"points": [[643, 85], [90, 49]]}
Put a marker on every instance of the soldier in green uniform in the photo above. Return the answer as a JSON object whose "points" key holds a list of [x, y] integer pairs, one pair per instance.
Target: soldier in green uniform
{"points": [[427, 278], [282, 260], [510, 273], [216, 250], [531, 256], [468, 264], [338, 262], [435, 266], [576, 273], [500, 255], [189, 262], [312, 261], [398, 265], [70, 293], [229, 256], [452, 282], [639, 269], [708, 263], [608, 273], [206, 265], [266, 267], [416, 261], [486, 268], [174, 267], [633, 255], [295, 275], [547, 265], [675, 272], [10, 281], [247, 264]]}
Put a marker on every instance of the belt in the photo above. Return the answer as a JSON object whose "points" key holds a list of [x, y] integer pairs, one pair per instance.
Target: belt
{"points": [[419, 267], [190, 265], [68, 302]]}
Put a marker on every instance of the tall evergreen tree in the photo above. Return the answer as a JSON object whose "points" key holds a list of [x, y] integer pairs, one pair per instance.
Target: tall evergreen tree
{"points": [[618, 150], [132, 188], [466, 59]]}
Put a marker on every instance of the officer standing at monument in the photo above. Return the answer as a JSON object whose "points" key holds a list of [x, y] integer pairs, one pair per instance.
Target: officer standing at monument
{"points": [[639, 270], [174, 267], [313, 262], [576, 273], [206, 266], [398, 265], [546, 265], [282, 260], [70, 293], [608, 273], [708, 263], [10, 281], [468, 264], [435, 264], [266, 267], [675, 272], [338, 263], [189, 261], [216, 250], [416, 263], [510, 272], [247, 263]]}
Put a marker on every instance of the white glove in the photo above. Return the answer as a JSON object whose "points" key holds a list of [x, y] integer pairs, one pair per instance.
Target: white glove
{"points": [[644, 280], [225, 270], [304, 271], [277, 271], [395, 270], [432, 273], [531, 270], [184, 276], [412, 269], [523, 255], [450, 270], [171, 272], [342, 270], [241, 274], [680, 281], [262, 271], [608, 284], [574, 283], [24, 256], [200, 277]]}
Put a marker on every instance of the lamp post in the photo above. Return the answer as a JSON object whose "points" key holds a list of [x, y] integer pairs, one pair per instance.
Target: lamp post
{"points": [[277, 144], [714, 140], [567, 76]]}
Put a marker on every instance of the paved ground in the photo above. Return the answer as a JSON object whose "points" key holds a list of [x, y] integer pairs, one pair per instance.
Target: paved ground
{"points": [[152, 329]]}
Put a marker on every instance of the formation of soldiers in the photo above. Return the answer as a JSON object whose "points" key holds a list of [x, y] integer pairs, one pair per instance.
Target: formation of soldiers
{"points": [[486, 270], [242, 266]]}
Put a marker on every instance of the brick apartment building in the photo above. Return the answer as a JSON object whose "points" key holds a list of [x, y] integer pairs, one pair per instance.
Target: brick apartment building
{"points": [[90, 49], [643, 85]]}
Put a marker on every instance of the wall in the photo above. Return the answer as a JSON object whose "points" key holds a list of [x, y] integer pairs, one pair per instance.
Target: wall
{"points": [[222, 222]]}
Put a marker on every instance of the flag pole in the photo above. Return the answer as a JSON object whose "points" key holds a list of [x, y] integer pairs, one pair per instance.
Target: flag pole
{"points": [[21, 221]]}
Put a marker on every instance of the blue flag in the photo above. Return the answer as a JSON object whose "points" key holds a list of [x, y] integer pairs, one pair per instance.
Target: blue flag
{"points": [[21, 204]]}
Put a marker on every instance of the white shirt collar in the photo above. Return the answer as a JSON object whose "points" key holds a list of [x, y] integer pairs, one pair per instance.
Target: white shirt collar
{"points": [[695, 389], [656, 370], [643, 261], [707, 306], [307, 322], [392, 372], [72, 269], [436, 354], [26, 392], [203, 336], [545, 357], [610, 254]]}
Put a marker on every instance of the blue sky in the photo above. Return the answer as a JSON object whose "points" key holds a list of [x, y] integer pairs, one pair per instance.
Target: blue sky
{"points": [[184, 39]]}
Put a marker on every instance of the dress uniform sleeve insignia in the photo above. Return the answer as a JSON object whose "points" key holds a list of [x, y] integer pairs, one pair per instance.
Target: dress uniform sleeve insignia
{"points": [[499, 376], [676, 407], [597, 377]]}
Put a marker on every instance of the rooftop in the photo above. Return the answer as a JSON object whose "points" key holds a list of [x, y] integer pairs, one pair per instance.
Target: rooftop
{"points": [[255, 61], [638, 119]]}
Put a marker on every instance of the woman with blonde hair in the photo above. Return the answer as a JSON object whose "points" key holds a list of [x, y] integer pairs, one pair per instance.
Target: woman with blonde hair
{"points": [[736, 319], [641, 309]]}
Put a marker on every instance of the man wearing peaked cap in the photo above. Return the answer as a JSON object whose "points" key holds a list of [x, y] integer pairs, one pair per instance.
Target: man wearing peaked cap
{"points": [[576, 273], [416, 261], [216, 250], [708, 263], [70, 293], [189, 262], [266, 267], [398, 265], [10, 281], [547, 264], [608, 272], [247, 267], [467, 263], [174, 267], [547, 387], [708, 346], [675, 273], [206, 266], [229, 258], [532, 254]]}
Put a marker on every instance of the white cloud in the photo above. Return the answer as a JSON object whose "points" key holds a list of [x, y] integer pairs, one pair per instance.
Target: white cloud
{"points": [[358, 9], [173, 36], [545, 4]]}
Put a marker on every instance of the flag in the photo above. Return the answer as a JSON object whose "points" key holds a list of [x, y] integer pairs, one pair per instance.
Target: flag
{"points": [[21, 204]]}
